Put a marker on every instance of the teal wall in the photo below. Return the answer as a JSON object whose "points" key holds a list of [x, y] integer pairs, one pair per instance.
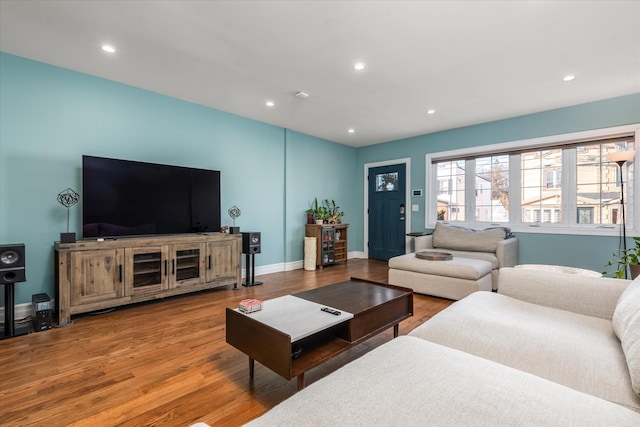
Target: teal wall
{"points": [[577, 251], [50, 117], [324, 170]]}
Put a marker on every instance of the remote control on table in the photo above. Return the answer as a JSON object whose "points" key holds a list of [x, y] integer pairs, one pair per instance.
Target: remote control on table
{"points": [[330, 311]]}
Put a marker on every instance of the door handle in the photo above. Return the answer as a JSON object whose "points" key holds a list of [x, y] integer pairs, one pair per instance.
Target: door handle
{"points": [[402, 212]]}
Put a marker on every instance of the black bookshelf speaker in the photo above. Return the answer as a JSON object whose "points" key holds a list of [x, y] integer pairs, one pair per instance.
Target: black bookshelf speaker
{"points": [[251, 242], [12, 263]]}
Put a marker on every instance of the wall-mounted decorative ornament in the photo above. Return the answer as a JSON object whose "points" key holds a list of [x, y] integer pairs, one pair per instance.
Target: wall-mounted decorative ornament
{"points": [[234, 212], [68, 198]]}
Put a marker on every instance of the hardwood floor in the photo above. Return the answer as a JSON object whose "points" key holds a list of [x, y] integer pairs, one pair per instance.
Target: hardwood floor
{"points": [[164, 363]]}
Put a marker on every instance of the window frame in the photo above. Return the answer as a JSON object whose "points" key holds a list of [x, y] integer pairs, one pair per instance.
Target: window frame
{"points": [[568, 184]]}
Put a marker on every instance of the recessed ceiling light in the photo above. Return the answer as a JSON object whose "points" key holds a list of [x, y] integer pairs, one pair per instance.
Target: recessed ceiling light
{"points": [[302, 94], [359, 66], [431, 111], [351, 130], [270, 103], [108, 48], [568, 78]]}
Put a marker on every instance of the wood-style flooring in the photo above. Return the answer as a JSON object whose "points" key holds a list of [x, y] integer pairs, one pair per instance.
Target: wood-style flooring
{"points": [[164, 363]]}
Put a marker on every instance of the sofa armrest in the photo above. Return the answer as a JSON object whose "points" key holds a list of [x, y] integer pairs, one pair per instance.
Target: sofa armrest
{"points": [[507, 252], [592, 296], [423, 242]]}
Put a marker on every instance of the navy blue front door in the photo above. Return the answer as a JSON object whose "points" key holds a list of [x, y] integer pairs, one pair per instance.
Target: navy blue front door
{"points": [[387, 211]]}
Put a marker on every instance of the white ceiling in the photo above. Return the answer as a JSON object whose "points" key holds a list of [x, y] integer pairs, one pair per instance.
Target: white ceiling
{"points": [[471, 61]]}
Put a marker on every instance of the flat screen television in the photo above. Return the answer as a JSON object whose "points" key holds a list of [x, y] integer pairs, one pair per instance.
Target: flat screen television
{"points": [[124, 198]]}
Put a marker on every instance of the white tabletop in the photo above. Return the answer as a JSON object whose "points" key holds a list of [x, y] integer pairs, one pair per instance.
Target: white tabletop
{"points": [[296, 317]]}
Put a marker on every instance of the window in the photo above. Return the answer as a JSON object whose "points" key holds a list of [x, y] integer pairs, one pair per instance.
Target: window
{"points": [[554, 177], [598, 185], [492, 189], [562, 181], [451, 191], [538, 190]]}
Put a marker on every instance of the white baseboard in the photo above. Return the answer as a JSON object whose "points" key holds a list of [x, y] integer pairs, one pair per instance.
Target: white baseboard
{"points": [[25, 310], [292, 265], [21, 311]]}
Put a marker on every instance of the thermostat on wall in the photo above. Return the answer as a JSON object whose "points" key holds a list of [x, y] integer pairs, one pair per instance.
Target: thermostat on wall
{"points": [[416, 193]]}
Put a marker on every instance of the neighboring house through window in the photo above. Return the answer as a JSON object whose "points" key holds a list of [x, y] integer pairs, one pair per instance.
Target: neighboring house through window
{"points": [[563, 181]]}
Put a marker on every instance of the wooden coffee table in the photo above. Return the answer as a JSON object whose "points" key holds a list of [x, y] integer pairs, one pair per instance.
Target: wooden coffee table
{"points": [[295, 322]]}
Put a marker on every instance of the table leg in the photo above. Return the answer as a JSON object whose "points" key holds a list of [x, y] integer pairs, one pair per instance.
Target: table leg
{"points": [[251, 367], [395, 330], [301, 381]]}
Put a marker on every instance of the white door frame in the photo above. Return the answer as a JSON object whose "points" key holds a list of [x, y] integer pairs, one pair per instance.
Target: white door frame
{"points": [[407, 203]]}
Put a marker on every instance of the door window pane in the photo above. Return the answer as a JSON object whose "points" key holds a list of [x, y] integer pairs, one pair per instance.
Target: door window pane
{"points": [[585, 215], [387, 181]]}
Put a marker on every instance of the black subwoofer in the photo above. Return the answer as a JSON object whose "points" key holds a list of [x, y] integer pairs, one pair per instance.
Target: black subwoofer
{"points": [[251, 242], [12, 263]]}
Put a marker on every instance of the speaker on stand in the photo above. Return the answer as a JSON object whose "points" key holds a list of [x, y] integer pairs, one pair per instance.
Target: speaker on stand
{"points": [[251, 245], [12, 271]]}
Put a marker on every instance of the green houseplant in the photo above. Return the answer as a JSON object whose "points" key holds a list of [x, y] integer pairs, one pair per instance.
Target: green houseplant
{"points": [[623, 259], [333, 211], [328, 210], [319, 212]]}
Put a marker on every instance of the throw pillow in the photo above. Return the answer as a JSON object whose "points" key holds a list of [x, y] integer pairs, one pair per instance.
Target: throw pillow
{"points": [[626, 325], [466, 239]]}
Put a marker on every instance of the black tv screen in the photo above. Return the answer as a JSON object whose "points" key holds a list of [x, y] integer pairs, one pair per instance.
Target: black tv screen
{"points": [[123, 197]]}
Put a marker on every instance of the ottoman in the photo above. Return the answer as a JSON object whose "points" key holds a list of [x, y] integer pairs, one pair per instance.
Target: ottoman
{"points": [[452, 279]]}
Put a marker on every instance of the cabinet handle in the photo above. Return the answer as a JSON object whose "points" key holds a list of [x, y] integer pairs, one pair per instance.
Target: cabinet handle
{"points": [[120, 273], [209, 262], [173, 267], [166, 270]]}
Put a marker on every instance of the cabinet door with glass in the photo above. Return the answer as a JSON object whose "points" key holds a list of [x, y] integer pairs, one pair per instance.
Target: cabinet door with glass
{"points": [[146, 270], [186, 266], [328, 245]]}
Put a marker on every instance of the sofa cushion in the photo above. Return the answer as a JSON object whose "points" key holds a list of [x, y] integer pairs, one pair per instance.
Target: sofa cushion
{"points": [[462, 268], [482, 256], [411, 382], [578, 351], [626, 324], [465, 239], [591, 296]]}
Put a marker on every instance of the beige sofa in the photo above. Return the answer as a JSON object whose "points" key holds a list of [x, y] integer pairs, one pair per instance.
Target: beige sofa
{"points": [[547, 349], [477, 253]]}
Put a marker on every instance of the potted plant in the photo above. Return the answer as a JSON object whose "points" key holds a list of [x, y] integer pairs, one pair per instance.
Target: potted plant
{"points": [[623, 259], [333, 211], [316, 213], [320, 213]]}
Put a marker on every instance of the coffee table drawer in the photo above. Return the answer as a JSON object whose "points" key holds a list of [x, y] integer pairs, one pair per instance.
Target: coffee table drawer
{"points": [[379, 318]]}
